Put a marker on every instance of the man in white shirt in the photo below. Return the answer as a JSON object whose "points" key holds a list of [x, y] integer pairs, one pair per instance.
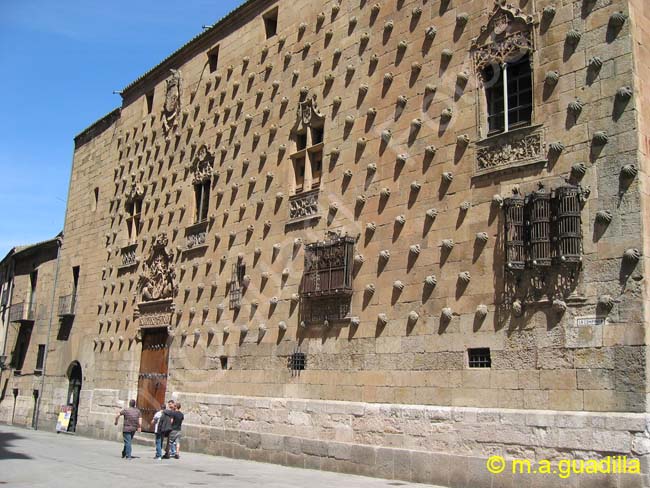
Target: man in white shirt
{"points": [[159, 435]]}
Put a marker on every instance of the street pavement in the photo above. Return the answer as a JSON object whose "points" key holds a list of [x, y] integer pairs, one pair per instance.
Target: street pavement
{"points": [[44, 459]]}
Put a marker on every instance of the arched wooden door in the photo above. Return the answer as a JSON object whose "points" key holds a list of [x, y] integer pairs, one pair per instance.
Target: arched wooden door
{"points": [[152, 381], [74, 390]]}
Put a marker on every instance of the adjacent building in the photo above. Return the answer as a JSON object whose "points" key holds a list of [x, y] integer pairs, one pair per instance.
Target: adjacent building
{"points": [[387, 238]]}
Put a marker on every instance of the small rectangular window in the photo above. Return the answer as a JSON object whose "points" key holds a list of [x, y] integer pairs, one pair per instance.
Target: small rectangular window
{"points": [[271, 23], [202, 201], [150, 102], [213, 59], [316, 135], [40, 357], [95, 199], [479, 357], [301, 141], [224, 362]]}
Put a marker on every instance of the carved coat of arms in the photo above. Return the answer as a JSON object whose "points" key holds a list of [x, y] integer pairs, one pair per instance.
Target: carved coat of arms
{"points": [[158, 279], [202, 166], [172, 107]]}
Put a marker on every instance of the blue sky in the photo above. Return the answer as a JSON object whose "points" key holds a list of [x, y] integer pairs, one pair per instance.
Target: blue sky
{"points": [[61, 61]]}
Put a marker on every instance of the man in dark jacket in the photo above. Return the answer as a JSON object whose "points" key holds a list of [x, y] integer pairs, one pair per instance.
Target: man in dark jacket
{"points": [[175, 434], [165, 425]]}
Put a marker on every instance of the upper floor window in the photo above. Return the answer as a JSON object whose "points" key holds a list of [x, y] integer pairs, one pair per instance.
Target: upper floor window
{"points": [[133, 216], [271, 23], [149, 101], [509, 95], [307, 157], [213, 59]]}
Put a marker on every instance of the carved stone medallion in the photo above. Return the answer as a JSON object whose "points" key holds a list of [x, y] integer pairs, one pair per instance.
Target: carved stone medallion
{"points": [[158, 279], [172, 107], [202, 165]]}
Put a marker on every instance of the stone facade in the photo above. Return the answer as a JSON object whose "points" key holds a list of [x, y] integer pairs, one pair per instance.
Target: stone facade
{"points": [[186, 212]]}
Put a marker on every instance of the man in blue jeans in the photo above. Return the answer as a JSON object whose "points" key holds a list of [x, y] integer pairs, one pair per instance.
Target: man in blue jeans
{"points": [[132, 424], [162, 425]]}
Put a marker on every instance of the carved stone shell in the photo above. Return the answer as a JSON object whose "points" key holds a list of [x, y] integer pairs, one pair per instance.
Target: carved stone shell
{"points": [[447, 313], [601, 138], [400, 220], [431, 281], [362, 199], [359, 259], [576, 106], [573, 37], [578, 170], [465, 206], [464, 276], [432, 213], [384, 255], [448, 176], [606, 302], [282, 325], [497, 200], [629, 171], [372, 167], [618, 19], [595, 63], [430, 151], [481, 311], [549, 12], [447, 113], [604, 216], [430, 33], [370, 288], [632, 255], [385, 192], [415, 249], [382, 318], [552, 77], [398, 285], [482, 237], [371, 227], [388, 26], [462, 18], [559, 306], [372, 112], [415, 186], [401, 158], [447, 54], [624, 93], [556, 147], [448, 244]]}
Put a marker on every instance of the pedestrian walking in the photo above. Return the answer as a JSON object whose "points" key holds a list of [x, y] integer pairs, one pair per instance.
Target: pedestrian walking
{"points": [[156, 424], [132, 424], [165, 426], [175, 434]]}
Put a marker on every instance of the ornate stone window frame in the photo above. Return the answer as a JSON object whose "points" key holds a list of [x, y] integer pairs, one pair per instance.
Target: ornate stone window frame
{"points": [[133, 211], [202, 168], [303, 200], [508, 32]]}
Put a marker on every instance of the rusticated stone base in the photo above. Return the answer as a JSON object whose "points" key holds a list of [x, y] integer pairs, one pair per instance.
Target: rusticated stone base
{"points": [[447, 446]]}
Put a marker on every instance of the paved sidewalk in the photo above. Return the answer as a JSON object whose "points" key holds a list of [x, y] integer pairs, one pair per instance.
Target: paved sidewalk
{"points": [[43, 459]]}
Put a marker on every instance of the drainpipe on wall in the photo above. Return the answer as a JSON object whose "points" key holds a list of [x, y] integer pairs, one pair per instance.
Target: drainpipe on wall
{"points": [[5, 314], [49, 333]]}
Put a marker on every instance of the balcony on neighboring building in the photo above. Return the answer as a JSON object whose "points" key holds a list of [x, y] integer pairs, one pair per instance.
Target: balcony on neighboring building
{"points": [[67, 305], [22, 312]]}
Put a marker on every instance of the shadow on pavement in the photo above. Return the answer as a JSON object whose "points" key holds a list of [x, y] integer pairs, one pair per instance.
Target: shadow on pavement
{"points": [[5, 440]]}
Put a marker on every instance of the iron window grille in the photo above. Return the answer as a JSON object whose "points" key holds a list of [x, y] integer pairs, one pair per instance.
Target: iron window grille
{"points": [[514, 230], [544, 227], [540, 228], [569, 223], [479, 357], [328, 267], [297, 362]]}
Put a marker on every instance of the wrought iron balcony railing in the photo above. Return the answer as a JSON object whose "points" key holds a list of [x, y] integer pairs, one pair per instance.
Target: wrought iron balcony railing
{"points": [[22, 312], [67, 305]]}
